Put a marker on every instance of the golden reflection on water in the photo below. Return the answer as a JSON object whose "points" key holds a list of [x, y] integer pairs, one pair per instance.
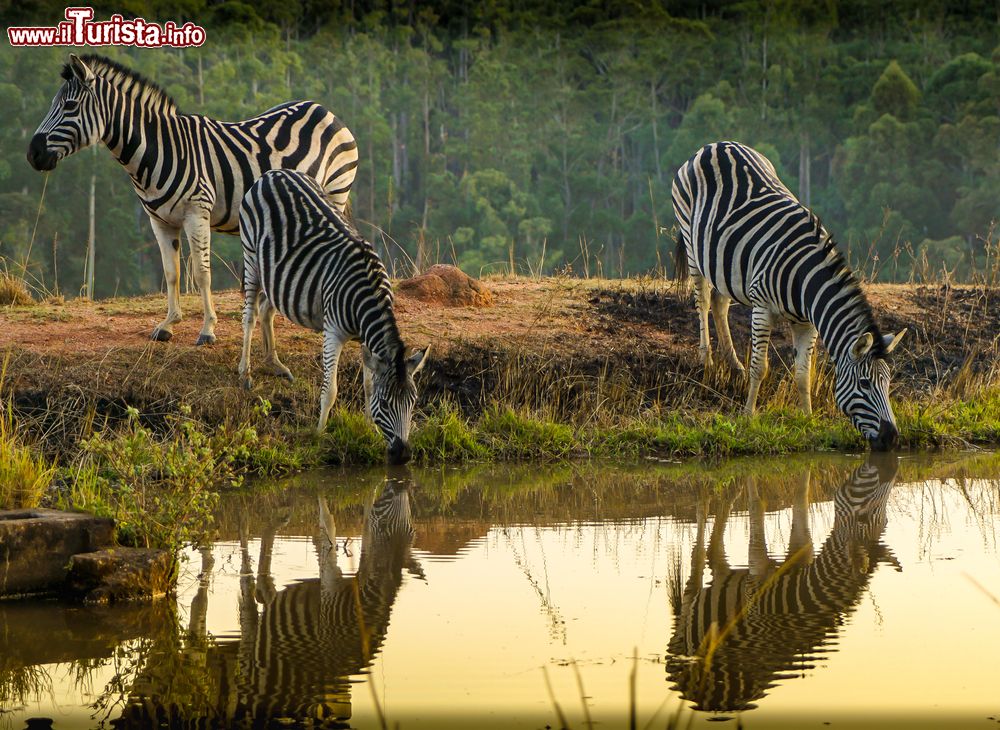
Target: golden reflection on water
{"points": [[787, 593]]}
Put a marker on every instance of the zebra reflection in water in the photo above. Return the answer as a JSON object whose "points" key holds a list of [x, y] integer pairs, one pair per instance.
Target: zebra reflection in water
{"points": [[750, 628], [299, 645]]}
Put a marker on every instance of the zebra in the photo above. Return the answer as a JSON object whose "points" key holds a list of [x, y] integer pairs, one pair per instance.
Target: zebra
{"points": [[747, 238], [189, 171], [300, 646], [750, 627], [301, 257]]}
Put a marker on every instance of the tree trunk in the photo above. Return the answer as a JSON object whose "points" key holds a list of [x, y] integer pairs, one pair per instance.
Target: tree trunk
{"points": [[91, 229], [656, 136], [201, 82], [805, 170]]}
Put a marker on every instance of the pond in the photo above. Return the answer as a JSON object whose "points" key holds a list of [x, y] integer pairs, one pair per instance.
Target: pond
{"points": [[795, 592]]}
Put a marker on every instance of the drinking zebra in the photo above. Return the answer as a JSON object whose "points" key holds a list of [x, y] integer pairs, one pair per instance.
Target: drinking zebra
{"points": [[301, 257], [189, 171], [747, 238], [749, 627]]}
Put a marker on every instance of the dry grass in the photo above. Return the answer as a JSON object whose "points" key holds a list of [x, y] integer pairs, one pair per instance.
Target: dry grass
{"points": [[13, 291]]}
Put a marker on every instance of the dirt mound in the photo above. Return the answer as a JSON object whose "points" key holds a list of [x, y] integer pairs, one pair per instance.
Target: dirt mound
{"points": [[448, 286]]}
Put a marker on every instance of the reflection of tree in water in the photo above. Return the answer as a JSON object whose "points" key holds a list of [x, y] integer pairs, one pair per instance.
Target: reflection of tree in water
{"points": [[749, 628], [298, 646], [77, 641]]}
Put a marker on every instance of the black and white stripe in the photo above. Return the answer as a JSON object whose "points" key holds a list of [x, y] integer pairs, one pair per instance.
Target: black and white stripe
{"points": [[301, 257], [751, 627], [301, 648], [313, 637], [189, 171], [748, 239]]}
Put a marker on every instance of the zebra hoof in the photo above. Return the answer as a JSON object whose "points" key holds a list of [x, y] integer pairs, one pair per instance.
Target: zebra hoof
{"points": [[161, 335], [289, 377], [205, 340], [248, 383]]}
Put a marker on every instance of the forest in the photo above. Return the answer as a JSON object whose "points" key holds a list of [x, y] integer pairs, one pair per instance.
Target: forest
{"points": [[541, 138]]}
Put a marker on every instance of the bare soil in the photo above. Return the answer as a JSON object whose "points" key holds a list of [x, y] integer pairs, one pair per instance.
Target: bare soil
{"points": [[541, 342]]}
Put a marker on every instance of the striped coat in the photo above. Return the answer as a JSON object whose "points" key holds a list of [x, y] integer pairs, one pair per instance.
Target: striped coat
{"points": [[302, 258], [189, 171], [744, 237]]}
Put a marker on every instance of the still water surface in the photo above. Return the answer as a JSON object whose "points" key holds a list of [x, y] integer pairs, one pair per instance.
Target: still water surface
{"points": [[804, 592]]}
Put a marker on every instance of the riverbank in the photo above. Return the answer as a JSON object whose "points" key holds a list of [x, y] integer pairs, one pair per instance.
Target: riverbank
{"points": [[554, 368]]}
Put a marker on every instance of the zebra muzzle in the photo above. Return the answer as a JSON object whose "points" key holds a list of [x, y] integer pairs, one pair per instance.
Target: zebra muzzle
{"points": [[886, 438], [398, 452], [40, 156]]}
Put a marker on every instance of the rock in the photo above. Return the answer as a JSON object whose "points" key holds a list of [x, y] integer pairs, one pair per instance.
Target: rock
{"points": [[122, 574], [37, 544], [448, 286]]}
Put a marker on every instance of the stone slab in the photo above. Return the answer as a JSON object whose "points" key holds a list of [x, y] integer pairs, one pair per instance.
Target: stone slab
{"points": [[122, 574], [36, 546]]}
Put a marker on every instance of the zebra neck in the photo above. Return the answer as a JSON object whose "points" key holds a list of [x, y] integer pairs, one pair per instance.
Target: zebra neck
{"points": [[380, 334], [130, 129], [838, 309]]}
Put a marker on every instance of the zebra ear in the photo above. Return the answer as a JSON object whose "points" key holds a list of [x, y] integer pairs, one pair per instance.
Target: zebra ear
{"points": [[892, 341], [81, 70], [862, 346], [417, 360]]}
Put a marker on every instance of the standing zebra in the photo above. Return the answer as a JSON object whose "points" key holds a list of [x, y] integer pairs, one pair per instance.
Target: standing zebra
{"points": [[748, 238], [750, 627], [189, 171], [302, 258]]}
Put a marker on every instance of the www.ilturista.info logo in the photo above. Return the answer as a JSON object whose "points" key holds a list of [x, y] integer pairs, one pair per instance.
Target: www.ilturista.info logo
{"points": [[80, 29]]}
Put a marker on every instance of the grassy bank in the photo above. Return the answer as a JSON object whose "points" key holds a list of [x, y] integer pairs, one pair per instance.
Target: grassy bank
{"points": [[159, 484], [96, 417]]}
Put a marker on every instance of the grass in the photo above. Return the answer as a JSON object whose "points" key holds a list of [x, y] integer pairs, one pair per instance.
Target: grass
{"points": [[25, 475], [13, 291], [445, 436]]}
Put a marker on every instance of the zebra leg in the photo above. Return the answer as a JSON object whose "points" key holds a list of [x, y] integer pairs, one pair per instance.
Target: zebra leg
{"points": [[368, 378], [168, 238], [804, 337], [333, 344], [250, 296], [717, 560], [800, 544], [760, 340], [759, 564], [720, 313], [703, 299], [199, 236], [330, 574], [272, 364]]}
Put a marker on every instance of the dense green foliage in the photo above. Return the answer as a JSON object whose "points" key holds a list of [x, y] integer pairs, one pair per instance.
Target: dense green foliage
{"points": [[547, 134]]}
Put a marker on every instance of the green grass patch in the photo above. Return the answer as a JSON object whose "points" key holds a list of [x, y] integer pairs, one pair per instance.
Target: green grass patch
{"points": [[25, 475], [508, 435], [444, 436], [351, 438]]}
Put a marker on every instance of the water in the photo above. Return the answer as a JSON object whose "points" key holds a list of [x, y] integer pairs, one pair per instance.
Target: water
{"points": [[803, 592]]}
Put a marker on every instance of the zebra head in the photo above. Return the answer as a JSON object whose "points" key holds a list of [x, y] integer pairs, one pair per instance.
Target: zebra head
{"points": [[73, 122], [390, 395], [861, 389]]}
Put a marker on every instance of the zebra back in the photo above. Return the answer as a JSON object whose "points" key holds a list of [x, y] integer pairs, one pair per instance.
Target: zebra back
{"points": [[313, 265], [183, 161]]}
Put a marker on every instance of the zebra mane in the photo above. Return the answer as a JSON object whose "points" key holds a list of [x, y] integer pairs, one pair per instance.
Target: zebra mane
{"points": [[379, 277], [123, 78], [858, 303]]}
